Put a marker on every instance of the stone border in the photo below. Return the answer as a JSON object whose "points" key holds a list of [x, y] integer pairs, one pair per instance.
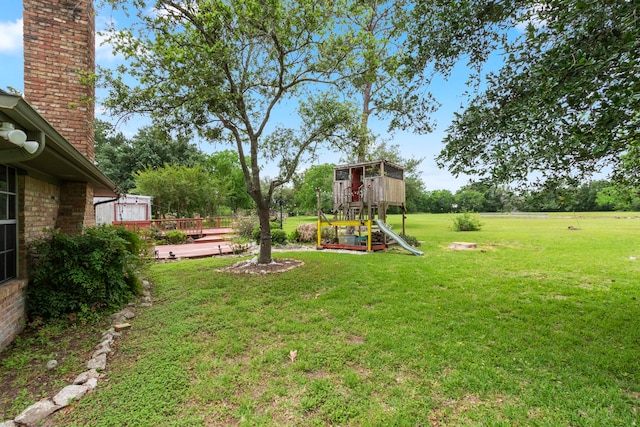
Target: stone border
{"points": [[88, 380]]}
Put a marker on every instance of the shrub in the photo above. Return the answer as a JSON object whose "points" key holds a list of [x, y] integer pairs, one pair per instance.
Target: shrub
{"points": [[151, 234], [411, 240], [294, 236], [84, 272], [175, 237], [467, 222], [245, 225], [307, 233], [278, 236]]}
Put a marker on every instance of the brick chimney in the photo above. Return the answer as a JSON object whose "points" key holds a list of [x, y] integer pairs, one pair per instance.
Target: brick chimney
{"points": [[59, 60]]}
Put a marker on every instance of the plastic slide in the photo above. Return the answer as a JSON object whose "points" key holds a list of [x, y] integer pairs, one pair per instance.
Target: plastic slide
{"points": [[397, 238]]}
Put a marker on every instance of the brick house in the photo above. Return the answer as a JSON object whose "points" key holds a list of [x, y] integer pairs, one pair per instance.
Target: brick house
{"points": [[47, 175]]}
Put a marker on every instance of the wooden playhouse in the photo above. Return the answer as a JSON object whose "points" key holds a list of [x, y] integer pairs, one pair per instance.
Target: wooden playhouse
{"points": [[362, 193]]}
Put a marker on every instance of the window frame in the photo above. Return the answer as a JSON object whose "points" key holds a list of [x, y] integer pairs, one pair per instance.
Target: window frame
{"points": [[8, 223]]}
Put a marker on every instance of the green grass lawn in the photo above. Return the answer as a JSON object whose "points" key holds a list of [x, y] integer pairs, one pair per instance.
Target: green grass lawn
{"points": [[539, 326]]}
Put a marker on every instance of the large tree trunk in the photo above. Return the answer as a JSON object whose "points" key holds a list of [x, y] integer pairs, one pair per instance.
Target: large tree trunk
{"points": [[265, 234], [363, 144]]}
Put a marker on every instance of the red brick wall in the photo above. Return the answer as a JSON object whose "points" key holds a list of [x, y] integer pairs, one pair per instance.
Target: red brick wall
{"points": [[59, 55], [59, 60]]}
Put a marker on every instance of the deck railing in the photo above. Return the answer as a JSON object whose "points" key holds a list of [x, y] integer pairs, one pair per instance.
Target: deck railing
{"points": [[190, 226], [219, 222]]}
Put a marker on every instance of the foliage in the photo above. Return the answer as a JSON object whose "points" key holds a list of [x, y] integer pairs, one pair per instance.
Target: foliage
{"points": [[278, 236], [306, 233], [368, 45], [150, 148], [438, 201], [244, 226], [231, 187], [179, 190], [619, 198], [565, 103], [222, 69], [469, 200], [411, 240], [467, 221], [83, 273], [306, 185], [175, 237]]}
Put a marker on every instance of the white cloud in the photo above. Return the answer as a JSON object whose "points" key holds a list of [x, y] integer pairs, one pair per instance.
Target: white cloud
{"points": [[11, 37], [104, 50]]}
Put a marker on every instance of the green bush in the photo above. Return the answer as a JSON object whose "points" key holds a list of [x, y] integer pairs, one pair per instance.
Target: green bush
{"points": [[467, 222], [411, 240], [245, 225], [175, 237], [278, 236], [83, 273], [294, 236]]}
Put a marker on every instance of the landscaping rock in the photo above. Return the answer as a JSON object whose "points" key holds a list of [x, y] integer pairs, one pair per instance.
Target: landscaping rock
{"points": [[102, 350], [104, 343], [98, 363], [85, 376], [36, 413], [69, 393], [86, 381], [91, 383]]}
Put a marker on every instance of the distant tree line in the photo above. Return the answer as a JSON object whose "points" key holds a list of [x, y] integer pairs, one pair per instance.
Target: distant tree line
{"points": [[599, 195], [186, 182]]}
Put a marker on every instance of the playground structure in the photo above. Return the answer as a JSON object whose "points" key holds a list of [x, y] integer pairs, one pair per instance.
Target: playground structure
{"points": [[362, 193]]}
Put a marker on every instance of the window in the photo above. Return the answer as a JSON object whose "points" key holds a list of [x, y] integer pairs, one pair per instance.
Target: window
{"points": [[342, 174], [393, 172], [8, 224]]}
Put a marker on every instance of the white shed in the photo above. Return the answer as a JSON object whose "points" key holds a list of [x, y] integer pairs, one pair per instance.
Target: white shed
{"points": [[129, 207]]}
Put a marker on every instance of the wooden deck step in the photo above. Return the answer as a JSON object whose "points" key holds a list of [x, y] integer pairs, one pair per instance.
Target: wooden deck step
{"points": [[210, 238]]}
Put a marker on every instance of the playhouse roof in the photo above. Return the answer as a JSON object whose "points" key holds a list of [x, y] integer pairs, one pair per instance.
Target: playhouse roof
{"points": [[370, 163]]}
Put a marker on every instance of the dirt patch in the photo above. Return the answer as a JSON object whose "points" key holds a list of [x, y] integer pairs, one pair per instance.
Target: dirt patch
{"points": [[279, 265], [24, 378]]}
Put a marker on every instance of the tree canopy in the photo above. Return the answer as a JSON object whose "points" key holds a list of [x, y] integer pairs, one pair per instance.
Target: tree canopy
{"points": [[564, 105], [368, 42], [119, 157], [222, 69]]}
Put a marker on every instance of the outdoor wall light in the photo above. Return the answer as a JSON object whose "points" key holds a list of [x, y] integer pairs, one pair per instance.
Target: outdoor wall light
{"points": [[18, 137]]}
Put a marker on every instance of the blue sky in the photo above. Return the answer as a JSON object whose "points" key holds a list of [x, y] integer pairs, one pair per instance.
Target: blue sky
{"points": [[449, 94]]}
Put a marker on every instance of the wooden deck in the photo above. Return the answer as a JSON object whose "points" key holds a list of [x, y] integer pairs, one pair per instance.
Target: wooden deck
{"points": [[214, 241]]}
